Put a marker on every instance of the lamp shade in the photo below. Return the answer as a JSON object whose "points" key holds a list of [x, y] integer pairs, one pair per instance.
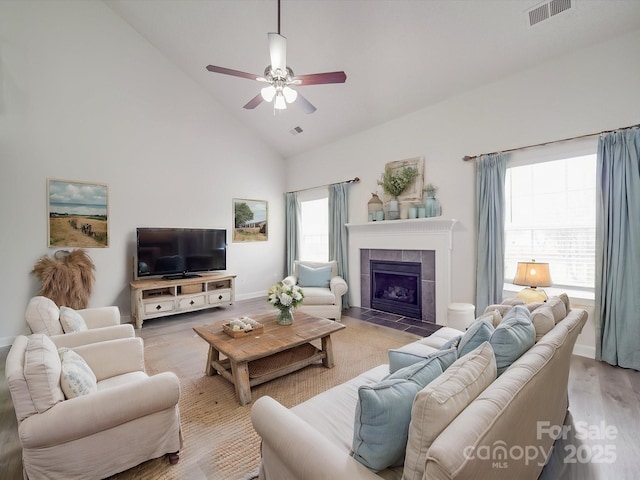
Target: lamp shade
{"points": [[532, 274]]}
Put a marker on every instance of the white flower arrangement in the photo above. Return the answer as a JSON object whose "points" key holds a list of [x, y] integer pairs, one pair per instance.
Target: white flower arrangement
{"points": [[284, 295]]}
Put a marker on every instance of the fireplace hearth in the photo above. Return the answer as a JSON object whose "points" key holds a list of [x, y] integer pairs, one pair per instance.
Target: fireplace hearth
{"points": [[396, 287]]}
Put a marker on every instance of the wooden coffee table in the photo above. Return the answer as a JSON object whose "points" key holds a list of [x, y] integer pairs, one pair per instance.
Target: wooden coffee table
{"points": [[276, 351]]}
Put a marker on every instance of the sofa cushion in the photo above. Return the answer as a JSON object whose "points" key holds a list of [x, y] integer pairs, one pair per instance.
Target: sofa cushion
{"points": [[43, 316], [71, 320], [417, 352], [436, 405], [453, 343], [513, 301], [500, 308], [493, 316], [42, 372], [383, 413], [478, 332], [547, 315], [514, 336], [440, 337], [318, 296], [76, 378], [314, 277]]}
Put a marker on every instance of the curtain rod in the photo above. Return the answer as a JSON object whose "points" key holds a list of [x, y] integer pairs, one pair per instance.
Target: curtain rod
{"points": [[353, 180], [466, 158]]}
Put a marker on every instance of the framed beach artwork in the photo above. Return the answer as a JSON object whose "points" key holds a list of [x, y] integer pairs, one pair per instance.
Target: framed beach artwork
{"points": [[250, 220], [77, 214]]}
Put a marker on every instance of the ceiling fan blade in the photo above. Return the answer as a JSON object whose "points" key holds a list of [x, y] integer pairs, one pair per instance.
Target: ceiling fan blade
{"points": [[235, 73], [319, 78], [278, 52], [254, 102], [305, 104]]}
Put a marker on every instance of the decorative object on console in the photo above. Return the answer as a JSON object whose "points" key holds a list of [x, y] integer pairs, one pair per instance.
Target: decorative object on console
{"points": [[66, 279], [373, 207], [78, 214], [239, 327], [250, 220], [532, 275], [285, 297], [431, 203]]}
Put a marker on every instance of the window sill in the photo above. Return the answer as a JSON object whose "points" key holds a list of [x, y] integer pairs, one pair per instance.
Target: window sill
{"points": [[577, 297]]}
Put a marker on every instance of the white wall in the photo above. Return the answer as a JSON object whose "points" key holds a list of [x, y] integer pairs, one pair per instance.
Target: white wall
{"points": [[83, 97], [593, 90]]}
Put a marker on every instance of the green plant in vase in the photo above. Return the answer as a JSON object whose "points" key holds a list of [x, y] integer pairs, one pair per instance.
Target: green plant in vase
{"points": [[394, 183], [431, 203]]}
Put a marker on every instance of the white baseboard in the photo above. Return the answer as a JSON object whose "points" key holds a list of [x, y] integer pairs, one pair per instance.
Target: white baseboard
{"points": [[6, 341], [584, 351], [248, 296]]}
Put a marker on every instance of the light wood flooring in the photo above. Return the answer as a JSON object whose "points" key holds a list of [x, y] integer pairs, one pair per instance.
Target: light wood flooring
{"points": [[604, 419]]}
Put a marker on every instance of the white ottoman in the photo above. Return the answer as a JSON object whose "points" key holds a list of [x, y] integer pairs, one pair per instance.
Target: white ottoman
{"points": [[460, 315]]}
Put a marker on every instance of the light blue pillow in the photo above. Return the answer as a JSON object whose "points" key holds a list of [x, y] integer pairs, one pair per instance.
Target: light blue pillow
{"points": [[314, 277], [478, 332], [453, 343], [514, 336], [416, 352], [383, 414]]}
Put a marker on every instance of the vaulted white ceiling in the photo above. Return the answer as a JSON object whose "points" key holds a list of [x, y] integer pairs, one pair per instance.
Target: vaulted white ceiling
{"points": [[399, 55]]}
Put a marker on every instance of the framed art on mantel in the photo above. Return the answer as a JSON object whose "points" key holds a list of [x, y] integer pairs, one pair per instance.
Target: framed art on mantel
{"points": [[77, 214], [413, 192], [250, 220]]}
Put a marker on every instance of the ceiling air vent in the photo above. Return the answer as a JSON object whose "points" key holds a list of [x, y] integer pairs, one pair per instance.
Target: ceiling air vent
{"points": [[546, 10], [296, 130]]}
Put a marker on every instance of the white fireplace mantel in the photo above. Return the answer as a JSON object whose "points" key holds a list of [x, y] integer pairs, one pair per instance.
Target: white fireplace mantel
{"points": [[413, 234]]}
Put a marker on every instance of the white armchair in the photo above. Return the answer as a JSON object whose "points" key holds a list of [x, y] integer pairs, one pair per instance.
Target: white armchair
{"points": [[322, 286], [117, 421], [102, 323]]}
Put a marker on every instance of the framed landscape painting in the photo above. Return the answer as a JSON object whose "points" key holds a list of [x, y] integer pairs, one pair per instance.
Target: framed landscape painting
{"points": [[77, 214], [250, 220]]}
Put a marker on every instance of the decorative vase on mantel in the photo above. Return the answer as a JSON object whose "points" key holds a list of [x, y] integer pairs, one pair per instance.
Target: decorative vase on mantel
{"points": [[374, 208], [432, 206], [394, 211], [285, 316], [431, 203]]}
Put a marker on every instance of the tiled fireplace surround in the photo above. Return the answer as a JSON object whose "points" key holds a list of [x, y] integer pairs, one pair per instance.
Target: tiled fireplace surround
{"points": [[427, 281], [405, 240]]}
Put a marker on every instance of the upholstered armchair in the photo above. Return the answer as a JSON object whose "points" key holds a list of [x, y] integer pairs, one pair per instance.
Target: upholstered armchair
{"points": [[90, 411], [67, 330], [322, 286]]}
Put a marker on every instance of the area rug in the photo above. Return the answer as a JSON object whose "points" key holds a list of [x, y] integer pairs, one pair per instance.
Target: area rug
{"points": [[219, 440]]}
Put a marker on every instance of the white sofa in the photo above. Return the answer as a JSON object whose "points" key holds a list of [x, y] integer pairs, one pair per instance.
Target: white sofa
{"points": [[461, 412], [321, 301], [127, 418], [103, 323]]}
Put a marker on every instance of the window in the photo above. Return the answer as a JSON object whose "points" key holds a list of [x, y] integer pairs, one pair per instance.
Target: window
{"points": [[314, 225], [550, 216]]}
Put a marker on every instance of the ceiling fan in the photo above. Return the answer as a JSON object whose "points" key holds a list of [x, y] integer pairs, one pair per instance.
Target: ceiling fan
{"points": [[280, 78]]}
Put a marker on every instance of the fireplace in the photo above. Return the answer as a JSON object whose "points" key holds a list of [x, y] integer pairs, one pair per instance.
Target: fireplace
{"points": [[396, 287], [399, 281], [428, 241]]}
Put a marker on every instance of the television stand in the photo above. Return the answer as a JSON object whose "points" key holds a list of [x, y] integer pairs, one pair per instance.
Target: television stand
{"points": [[153, 298]]}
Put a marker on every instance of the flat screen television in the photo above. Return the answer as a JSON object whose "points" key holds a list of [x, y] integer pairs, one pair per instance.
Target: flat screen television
{"points": [[180, 252]]}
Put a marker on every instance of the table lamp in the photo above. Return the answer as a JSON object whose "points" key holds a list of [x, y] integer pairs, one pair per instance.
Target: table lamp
{"points": [[532, 275]]}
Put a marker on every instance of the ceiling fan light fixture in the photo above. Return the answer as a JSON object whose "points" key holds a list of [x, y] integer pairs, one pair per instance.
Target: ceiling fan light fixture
{"points": [[280, 103], [290, 94], [268, 93]]}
